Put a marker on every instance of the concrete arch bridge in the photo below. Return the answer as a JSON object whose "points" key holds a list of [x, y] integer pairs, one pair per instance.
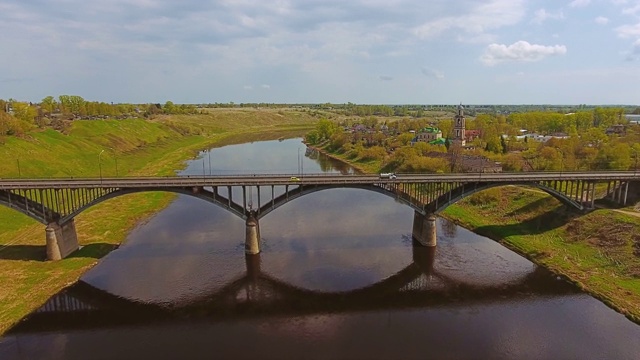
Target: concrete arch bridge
{"points": [[56, 202]]}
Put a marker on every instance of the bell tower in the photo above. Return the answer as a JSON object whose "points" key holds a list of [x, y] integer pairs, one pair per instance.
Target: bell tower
{"points": [[459, 127]]}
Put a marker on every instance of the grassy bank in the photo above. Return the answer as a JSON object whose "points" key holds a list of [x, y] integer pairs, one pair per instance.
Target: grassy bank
{"points": [[136, 147], [599, 251]]}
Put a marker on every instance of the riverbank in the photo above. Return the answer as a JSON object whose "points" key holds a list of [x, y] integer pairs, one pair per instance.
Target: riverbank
{"points": [[131, 148], [599, 251]]}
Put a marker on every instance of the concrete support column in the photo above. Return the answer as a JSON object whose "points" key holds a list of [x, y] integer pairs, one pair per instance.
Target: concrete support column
{"points": [[424, 229], [424, 257], [62, 240], [252, 239], [253, 266]]}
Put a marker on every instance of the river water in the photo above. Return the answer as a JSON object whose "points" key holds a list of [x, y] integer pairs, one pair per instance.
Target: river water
{"points": [[338, 278]]}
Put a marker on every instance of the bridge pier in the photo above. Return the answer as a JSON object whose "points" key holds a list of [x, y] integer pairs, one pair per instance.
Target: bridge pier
{"points": [[253, 266], [424, 257], [62, 240], [252, 239], [424, 229]]}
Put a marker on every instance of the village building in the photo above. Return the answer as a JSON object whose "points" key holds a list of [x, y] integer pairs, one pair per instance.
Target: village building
{"points": [[459, 127], [539, 138], [469, 163], [617, 129], [470, 135], [479, 164], [427, 134], [633, 119]]}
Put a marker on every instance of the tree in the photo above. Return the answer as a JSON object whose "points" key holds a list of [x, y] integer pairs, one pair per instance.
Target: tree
{"points": [[72, 104], [24, 112], [338, 140], [503, 143], [595, 137], [326, 128], [169, 108], [374, 153], [494, 144], [455, 157], [312, 137], [48, 104], [615, 157]]}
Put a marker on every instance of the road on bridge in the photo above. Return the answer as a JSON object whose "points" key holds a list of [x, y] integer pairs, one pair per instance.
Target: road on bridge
{"points": [[309, 179]]}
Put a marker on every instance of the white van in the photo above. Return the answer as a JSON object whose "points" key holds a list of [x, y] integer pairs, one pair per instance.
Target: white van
{"points": [[388, 176]]}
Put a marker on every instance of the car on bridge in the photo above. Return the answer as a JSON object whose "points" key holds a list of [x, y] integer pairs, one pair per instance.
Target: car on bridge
{"points": [[390, 176], [294, 178]]}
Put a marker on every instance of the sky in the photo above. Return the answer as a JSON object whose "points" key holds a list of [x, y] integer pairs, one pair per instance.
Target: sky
{"points": [[318, 51]]}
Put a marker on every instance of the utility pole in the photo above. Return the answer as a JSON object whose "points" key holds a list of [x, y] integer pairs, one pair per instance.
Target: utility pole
{"points": [[100, 164]]}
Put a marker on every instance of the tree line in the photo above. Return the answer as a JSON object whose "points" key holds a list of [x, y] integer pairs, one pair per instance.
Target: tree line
{"points": [[18, 117]]}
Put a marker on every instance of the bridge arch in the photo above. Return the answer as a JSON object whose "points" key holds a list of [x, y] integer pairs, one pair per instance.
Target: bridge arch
{"points": [[465, 190], [197, 192], [306, 190]]}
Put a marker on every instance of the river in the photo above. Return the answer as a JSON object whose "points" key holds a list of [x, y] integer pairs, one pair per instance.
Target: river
{"points": [[338, 278]]}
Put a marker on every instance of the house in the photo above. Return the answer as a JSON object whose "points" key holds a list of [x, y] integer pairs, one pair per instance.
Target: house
{"points": [[470, 163], [559, 135], [541, 138], [633, 119], [471, 135], [480, 164], [427, 134], [617, 129]]}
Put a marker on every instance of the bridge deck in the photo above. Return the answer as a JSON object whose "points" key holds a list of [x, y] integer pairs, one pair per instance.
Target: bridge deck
{"points": [[309, 179]]}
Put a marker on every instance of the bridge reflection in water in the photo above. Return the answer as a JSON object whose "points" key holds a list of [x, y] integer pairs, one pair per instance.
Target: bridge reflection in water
{"points": [[257, 294]]}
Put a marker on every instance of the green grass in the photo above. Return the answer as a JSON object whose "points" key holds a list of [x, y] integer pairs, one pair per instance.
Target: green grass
{"points": [[158, 147], [596, 250]]}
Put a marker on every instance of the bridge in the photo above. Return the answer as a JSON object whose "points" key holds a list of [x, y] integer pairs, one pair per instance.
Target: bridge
{"points": [[56, 202]]}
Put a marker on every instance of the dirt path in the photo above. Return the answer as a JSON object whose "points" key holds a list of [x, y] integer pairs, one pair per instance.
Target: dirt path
{"points": [[627, 212]]}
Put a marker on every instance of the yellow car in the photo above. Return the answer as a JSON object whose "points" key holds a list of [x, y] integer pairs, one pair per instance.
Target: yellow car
{"points": [[295, 178]]}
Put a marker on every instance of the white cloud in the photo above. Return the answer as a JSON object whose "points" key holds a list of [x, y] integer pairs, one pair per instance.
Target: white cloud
{"points": [[632, 10], [627, 31], [433, 73], [618, 2], [265, 86], [579, 3], [492, 15], [601, 20], [542, 15], [520, 51]]}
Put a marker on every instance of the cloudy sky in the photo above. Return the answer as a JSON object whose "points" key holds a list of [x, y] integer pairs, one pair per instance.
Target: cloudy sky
{"points": [[315, 51]]}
